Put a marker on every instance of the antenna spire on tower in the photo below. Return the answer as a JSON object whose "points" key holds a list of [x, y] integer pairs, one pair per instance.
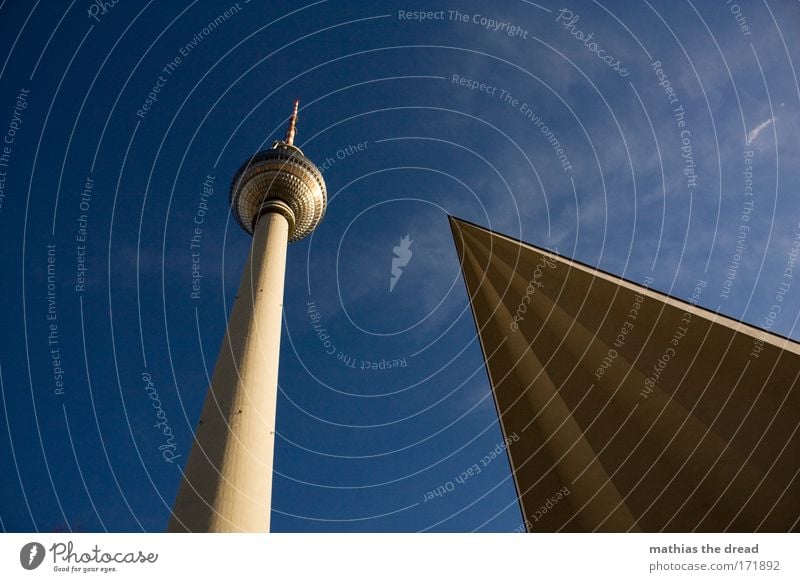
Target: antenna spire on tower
{"points": [[292, 129]]}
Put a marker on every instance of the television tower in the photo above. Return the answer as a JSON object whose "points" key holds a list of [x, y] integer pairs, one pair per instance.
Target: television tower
{"points": [[278, 196]]}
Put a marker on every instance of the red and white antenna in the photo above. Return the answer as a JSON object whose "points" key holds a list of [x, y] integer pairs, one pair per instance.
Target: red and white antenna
{"points": [[292, 129]]}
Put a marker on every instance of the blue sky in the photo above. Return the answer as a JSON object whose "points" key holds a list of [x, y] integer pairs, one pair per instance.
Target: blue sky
{"points": [[626, 149]]}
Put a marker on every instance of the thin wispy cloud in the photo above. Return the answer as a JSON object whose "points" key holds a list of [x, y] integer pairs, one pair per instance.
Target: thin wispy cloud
{"points": [[754, 133]]}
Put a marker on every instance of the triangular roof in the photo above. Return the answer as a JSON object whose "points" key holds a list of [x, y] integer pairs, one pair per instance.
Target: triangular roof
{"points": [[627, 409]]}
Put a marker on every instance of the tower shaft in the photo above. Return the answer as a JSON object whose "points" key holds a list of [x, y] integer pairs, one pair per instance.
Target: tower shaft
{"points": [[227, 484]]}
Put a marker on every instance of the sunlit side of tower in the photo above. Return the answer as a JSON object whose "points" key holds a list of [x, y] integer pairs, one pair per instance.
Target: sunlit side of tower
{"points": [[278, 196]]}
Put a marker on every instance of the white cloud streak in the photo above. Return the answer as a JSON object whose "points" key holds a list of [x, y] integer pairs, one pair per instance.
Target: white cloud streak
{"points": [[754, 133]]}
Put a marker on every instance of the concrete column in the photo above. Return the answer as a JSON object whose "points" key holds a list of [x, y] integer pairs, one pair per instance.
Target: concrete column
{"points": [[227, 485]]}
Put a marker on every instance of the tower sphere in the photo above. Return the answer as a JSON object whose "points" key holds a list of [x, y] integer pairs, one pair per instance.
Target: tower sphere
{"points": [[280, 179]]}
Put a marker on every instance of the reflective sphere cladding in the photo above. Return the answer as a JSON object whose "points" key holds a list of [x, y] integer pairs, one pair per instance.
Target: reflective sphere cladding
{"points": [[282, 174]]}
